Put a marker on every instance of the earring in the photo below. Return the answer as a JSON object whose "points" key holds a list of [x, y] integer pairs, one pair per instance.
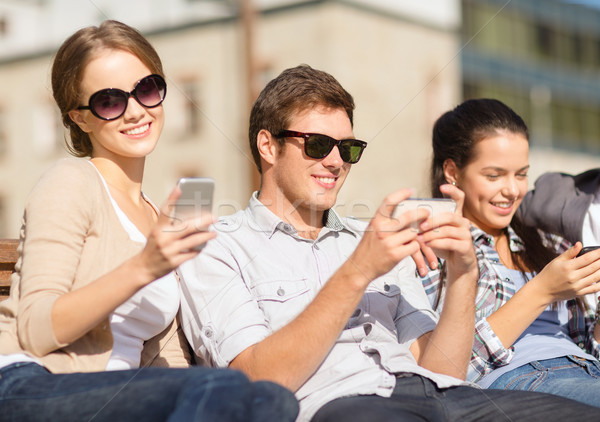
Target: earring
{"points": [[453, 183]]}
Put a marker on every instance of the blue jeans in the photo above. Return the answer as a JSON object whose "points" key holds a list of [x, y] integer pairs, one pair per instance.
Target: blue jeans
{"points": [[567, 376], [417, 398], [28, 392]]}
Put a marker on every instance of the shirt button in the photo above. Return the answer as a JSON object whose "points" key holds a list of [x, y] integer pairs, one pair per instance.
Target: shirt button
{"points": [[280, 292], [208, 333], [386, 287]]}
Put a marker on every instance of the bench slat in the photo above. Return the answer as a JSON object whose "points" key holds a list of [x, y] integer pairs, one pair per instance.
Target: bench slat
{"points": [[8, 259]]}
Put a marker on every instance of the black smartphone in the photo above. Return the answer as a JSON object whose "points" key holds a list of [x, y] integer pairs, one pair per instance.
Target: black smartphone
{"points": [[587, 249]]}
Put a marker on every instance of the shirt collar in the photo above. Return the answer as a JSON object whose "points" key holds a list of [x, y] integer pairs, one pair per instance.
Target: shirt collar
{"points": [[481, 238], [269, 223]]}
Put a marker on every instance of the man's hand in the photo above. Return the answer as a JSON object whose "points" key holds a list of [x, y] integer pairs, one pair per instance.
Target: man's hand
{"points": [[447, 236], [388, 240], [447, 349]]}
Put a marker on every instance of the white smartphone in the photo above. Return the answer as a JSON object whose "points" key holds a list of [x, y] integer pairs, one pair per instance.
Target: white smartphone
{"points": [[195, 200], [435, 206]]}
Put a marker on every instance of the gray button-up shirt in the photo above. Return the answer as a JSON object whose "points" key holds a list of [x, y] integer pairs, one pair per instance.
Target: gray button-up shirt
{"points": [[258, 275]]}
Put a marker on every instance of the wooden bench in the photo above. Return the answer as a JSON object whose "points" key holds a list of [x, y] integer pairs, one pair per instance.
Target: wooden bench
{"points": [[8, 259]]}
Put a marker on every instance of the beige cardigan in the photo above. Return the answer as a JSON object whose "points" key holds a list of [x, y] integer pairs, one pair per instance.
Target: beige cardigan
{"points": [[70, 236]]}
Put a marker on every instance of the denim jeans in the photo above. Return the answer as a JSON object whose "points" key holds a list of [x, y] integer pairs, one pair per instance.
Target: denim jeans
{"points": [[416, 398], [567, 376], [28, 392]]}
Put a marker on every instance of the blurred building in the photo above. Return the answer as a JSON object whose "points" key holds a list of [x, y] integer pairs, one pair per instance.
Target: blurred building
{"points": [[542, 57], [399, 58]]}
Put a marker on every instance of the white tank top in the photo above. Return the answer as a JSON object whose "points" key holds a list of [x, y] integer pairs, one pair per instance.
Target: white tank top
{"points": [[146, 313]]}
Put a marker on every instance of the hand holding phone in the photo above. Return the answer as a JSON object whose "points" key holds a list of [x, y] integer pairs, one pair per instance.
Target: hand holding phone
{"points": [[195, 199], [435, 206]]}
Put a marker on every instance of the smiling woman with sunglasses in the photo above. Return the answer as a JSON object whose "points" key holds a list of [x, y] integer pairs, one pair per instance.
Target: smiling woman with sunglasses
{"points": [[94, 297]]}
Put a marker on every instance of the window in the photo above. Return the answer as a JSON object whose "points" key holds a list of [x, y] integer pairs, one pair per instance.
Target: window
{"points": [[192, 107], [544, 40], [540, 48], [566, 126], [46, 135], [184, 108], [590, 122], [3, 26], [577, 47], [470, 91]]}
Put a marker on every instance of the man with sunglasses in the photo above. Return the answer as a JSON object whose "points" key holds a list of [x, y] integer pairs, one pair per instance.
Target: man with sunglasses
{"points": [[329, 307]]}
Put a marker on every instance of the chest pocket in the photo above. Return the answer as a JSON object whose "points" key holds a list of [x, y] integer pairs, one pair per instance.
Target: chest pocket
{"points": [[282, 300], [385, 286], [381, 301]]}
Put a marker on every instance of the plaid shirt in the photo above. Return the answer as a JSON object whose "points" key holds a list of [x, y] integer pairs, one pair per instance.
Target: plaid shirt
{"points": [[494, 291]]}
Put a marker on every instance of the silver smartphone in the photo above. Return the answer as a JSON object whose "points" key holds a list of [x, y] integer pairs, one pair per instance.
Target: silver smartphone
{"points": [[435, 206], [195, 200]]}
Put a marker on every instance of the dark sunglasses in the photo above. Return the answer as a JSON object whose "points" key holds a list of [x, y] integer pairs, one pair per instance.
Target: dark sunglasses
{"points": [[317, 145], [111, 103]]}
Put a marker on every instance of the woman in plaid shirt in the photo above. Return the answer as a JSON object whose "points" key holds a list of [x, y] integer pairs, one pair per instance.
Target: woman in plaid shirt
{"points": [[533, 331]]}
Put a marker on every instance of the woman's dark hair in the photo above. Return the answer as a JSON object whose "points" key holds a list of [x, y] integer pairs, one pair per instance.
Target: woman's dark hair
{"points": [[455, 135], [74, 55]]}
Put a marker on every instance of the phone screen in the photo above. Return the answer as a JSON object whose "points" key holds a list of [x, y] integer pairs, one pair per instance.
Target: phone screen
{"points": [[196, 197], [433, 205]]}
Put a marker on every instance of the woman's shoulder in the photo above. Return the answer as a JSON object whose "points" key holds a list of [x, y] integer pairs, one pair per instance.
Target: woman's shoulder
{"points": [[69, 172], [70, 166], [68, 178]]}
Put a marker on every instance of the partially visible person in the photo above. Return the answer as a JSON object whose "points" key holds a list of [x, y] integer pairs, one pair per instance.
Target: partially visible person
{"points": [[566, 204], [94, 289], [533, 331], [330, 307]]}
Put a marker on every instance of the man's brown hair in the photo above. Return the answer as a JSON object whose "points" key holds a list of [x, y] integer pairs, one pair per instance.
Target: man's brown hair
{"points": [[294, 90]]}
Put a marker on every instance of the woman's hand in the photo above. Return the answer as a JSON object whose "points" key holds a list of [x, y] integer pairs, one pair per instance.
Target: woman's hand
{"points": [[568, 276], [565, 277], [172, 241], [168, 245]]}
